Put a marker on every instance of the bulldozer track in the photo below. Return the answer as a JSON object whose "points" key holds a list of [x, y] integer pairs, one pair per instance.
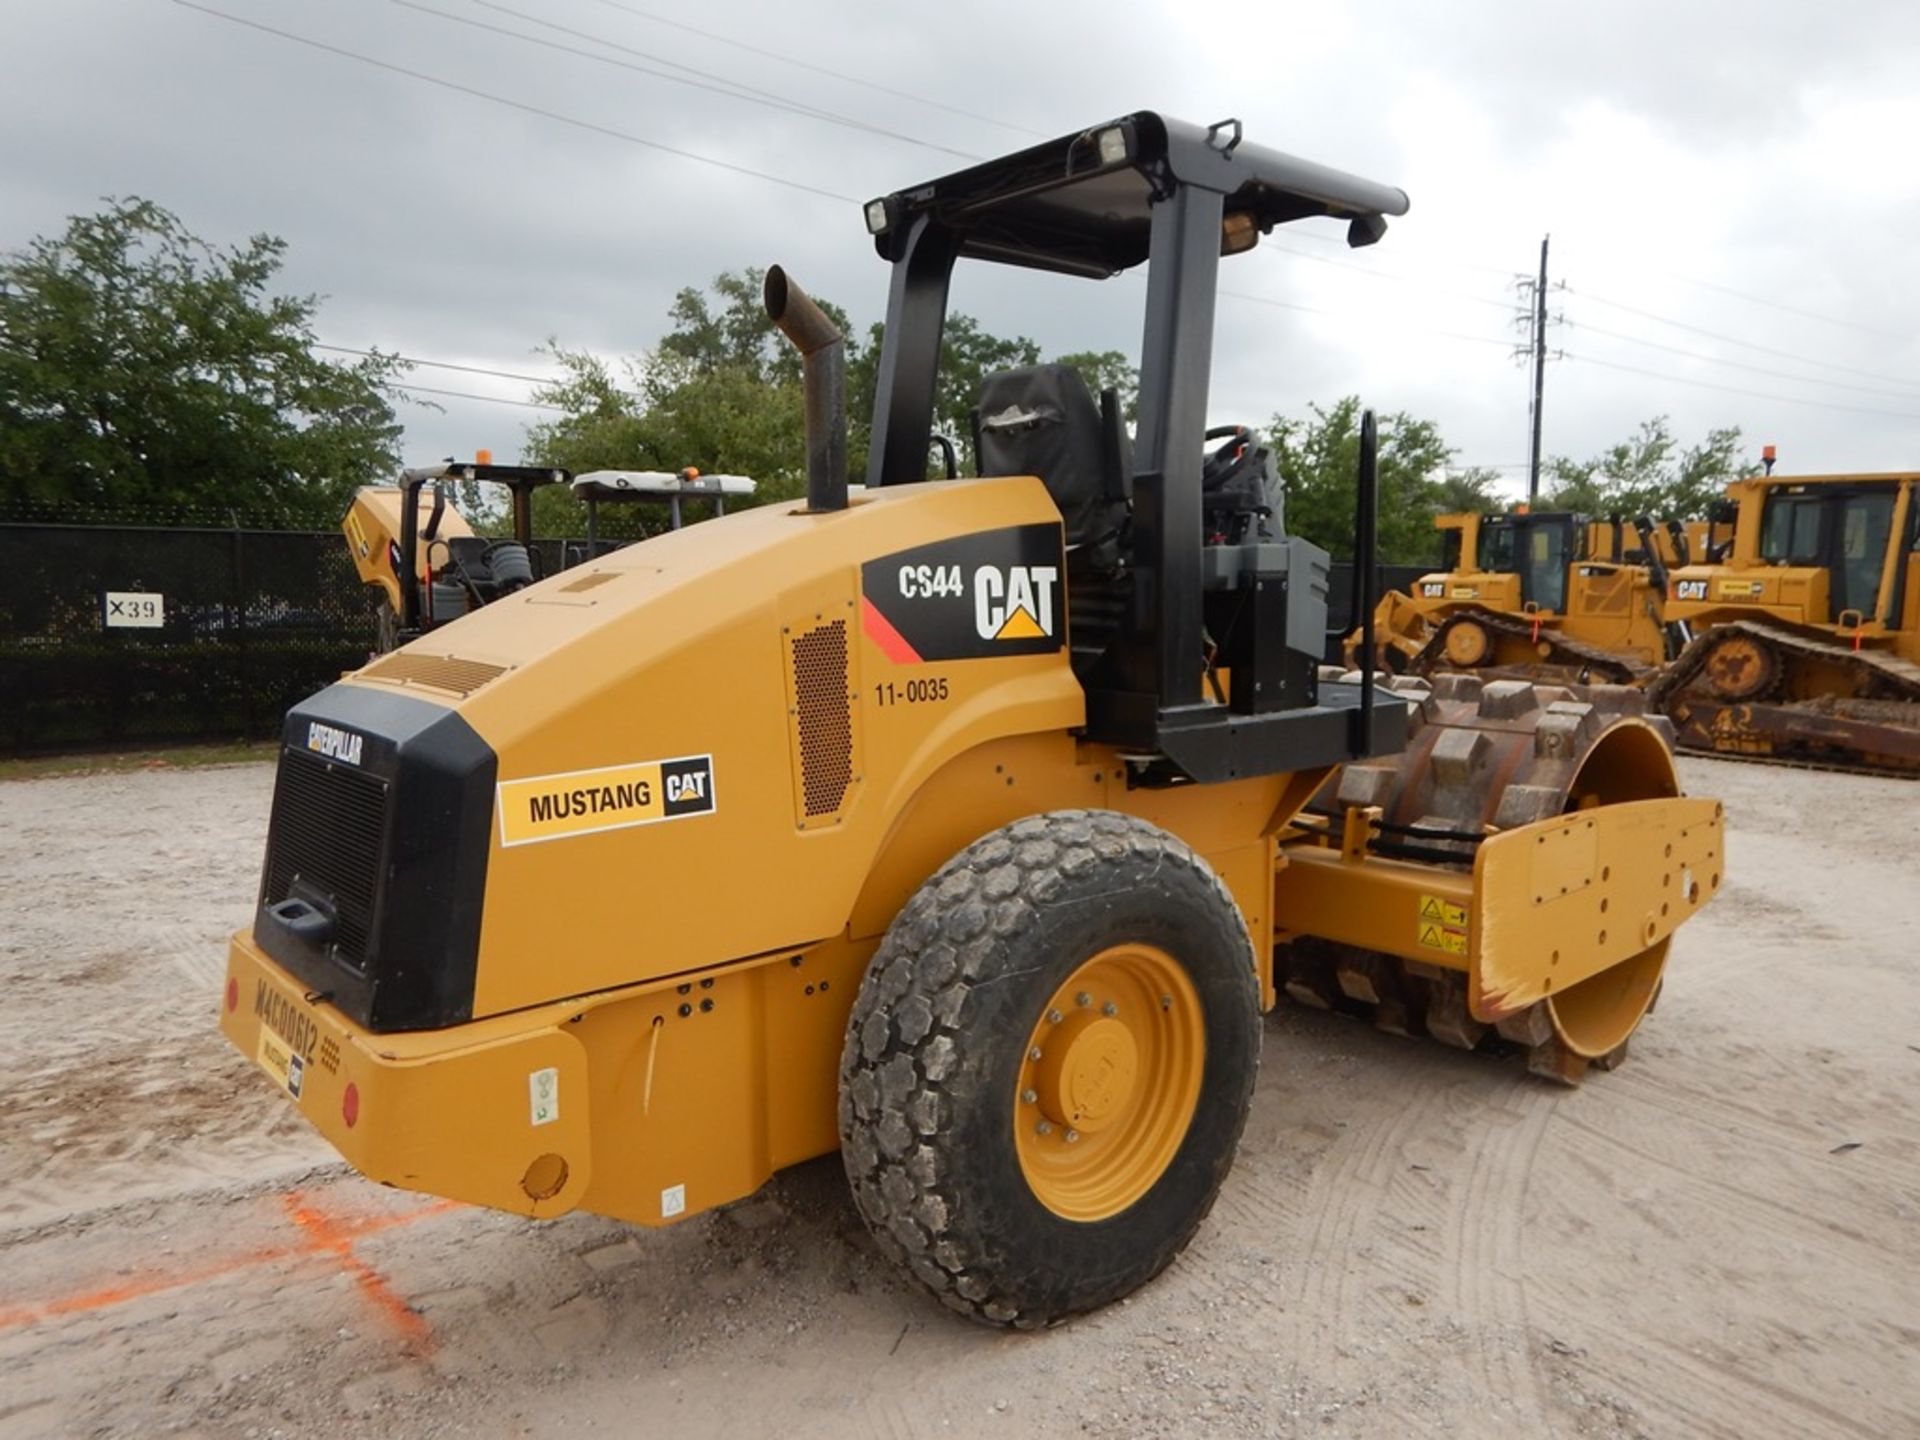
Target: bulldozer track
{"points": [[1589, 662], [1884, 711]]}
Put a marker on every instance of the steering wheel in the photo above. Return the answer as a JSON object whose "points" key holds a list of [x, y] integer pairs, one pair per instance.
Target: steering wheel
{"points": [[1222, 459]]}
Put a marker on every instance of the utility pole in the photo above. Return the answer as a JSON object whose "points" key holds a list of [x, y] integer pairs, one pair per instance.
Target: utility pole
{"points": [[1539, 371], [1531, 315]]}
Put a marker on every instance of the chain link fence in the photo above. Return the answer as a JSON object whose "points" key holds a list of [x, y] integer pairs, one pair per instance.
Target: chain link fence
{"points": [[124, 635], [128, 635]]}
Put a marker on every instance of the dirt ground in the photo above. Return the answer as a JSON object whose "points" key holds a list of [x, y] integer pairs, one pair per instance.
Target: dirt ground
{"points": [[1720, 1239]]}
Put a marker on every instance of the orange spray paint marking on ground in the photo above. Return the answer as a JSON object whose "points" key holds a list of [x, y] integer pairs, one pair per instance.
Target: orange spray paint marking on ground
{"points": [[320, 1237], [336, 1237]]}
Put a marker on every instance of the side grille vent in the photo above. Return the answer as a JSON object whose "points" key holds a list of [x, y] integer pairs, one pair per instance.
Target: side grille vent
{"points": [[441, 672], [328, 825], [824, 716]]}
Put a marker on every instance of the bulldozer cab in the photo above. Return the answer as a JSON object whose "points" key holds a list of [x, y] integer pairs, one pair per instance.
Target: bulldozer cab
{"points": [[1847, 531], [1140, 510], [1818, 551], [1538, 548]]}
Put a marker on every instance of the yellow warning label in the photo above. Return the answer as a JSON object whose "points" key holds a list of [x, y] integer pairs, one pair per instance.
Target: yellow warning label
{"points": [[1740, 589], [1466, 592], [581, 802], [1443, 912], [1438, 937]]}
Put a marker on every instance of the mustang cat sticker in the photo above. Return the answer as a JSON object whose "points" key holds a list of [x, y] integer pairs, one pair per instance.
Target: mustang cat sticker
{"points": [[997, 592], [613, 797]]}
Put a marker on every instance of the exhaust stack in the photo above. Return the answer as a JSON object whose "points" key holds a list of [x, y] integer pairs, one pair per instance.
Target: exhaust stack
{"points": [[825, 354]]}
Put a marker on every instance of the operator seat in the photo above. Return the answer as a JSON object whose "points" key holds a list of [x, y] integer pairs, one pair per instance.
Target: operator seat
{"points": [[1042, 420]]}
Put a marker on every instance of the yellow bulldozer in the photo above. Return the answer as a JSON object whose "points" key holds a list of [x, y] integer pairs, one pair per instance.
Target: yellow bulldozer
{"points": [[1540, 594], [964, 827], [1805, 625]]}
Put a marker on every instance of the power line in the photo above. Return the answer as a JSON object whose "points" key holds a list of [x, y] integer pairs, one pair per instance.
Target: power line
{"points": [[435, 364], [1505, 273], [1737, 365], [1736, 390], [465, 369], [469, 395], [793, 60], [775, 102], [1784, 308], [1317, 310], [733, 90], [1724, 339], [519, 105], [1270, 245]]}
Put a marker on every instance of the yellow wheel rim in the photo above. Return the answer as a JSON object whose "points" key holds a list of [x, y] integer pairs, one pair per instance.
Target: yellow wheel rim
{"points": [[1109, 1082], [1468, 643]]}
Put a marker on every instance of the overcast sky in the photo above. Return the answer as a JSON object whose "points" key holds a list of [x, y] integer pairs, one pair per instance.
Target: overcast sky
{"points": [[1730, 185]]}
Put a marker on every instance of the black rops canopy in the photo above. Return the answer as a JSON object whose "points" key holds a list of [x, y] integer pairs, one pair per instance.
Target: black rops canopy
{"points": [[1140, 189], [1082, 204]]}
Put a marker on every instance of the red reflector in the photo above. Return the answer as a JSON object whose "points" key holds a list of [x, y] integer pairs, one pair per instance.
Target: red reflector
{"points": [[233, 994], [350, 1104]]}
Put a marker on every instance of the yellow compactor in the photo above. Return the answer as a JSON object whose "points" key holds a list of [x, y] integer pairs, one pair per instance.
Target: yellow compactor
{"points": [[964, 827], [412, 530]]}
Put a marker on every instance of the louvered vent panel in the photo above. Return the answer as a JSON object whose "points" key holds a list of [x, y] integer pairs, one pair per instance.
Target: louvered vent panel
{"points": [[826, 722], [442, 672], [328, 826]]}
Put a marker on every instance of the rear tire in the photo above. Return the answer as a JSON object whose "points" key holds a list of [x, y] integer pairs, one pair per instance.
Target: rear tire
{"points": [[1111, 940]]}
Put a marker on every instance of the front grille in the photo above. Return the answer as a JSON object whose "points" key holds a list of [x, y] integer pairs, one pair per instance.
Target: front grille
{"points": [[328, 826]]}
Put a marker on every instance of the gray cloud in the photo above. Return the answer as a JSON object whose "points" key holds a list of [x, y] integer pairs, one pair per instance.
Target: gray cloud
{"points": [[1734, 144]]}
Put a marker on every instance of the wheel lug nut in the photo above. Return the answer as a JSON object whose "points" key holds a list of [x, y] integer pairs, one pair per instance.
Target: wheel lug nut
{"points": [[1034, 1053], [1029, 1096], [1109, 1008], [1166, 1002], [1054, 1017], [1072, 1136], [1083, 999], [1043, 1128]]}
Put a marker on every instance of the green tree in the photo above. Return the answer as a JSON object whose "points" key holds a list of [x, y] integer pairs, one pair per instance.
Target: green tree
{"points": [[1472, 491], [140, 366], [1319, 460], [723, 391], [1649, 473], [1108, 370], [968, 354]]}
